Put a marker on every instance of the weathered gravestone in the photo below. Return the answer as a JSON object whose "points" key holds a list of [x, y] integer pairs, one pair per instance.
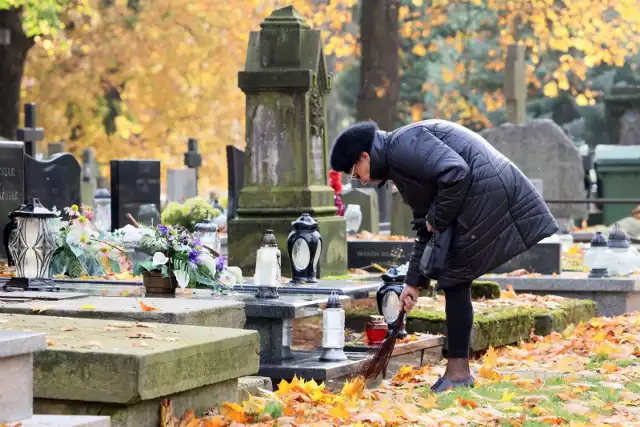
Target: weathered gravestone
{"points": [[622, 109], [285, 81], [235, 175], [54, 148], [89, 175], [181, 184], [56, 181], [541, 150], [401, 217], [11, 182], [135, 190], [367, 198]]}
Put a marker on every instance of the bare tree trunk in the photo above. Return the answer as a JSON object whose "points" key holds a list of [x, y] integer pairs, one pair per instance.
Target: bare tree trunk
{"points": [[379, 85], [12, 60], [379, 82]]}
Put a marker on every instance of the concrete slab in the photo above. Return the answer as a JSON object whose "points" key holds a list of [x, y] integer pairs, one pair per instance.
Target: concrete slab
{"points": [[199, 312], [31, 295], [65, 421], [614, 295], [105, 361], [16, 368], [16, 343]]}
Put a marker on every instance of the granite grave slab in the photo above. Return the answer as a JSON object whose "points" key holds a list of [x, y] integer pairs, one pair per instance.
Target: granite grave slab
{"points": [[135, 190], [11, 184], [543, 258], [542, 150], [55, 181], [614, 295]]}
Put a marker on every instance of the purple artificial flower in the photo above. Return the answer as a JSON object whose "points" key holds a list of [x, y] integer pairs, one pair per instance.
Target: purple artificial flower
{"points": [[162, 229], [194, 254], [220, 263]]}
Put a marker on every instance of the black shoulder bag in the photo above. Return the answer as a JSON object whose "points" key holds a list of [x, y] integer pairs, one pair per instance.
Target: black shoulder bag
{"points": [[435, 254]]}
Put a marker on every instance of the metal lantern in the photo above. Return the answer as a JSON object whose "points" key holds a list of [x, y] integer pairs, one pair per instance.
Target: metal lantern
{"points": [[333, 331], [624, 260], [207, 232], [268, 266], [305, 246], [598, 258], [102, 203], [31, 246], [353, 218], [388, 297]]}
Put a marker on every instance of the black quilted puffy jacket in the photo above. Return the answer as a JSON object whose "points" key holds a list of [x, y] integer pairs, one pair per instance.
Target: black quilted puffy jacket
{"points": [[452, 177]]}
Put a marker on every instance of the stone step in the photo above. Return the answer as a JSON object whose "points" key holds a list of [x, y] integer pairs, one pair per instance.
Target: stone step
{"points": [[16, 368], [125, 369]]}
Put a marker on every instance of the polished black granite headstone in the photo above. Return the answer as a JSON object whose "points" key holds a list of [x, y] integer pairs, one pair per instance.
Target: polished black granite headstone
{"points": [[56, 181], [363, 253], [135, 190], [543, 258], [11, 183]]}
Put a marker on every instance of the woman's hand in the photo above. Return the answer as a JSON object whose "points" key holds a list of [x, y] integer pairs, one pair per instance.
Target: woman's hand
{"points": [[430, 228], [409, 297]]}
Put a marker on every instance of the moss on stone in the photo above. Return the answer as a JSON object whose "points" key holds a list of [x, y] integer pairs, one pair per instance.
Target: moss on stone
{"points": [[499, 327]]}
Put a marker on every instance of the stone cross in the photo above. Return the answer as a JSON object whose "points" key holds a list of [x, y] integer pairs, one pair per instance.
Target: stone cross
{"points": [[192, 158], [285, 81], [30, 134], [515, 84], [89, 175]]}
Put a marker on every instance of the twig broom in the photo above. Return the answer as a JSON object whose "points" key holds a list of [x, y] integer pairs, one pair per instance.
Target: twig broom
{"points": [[377, 363]]}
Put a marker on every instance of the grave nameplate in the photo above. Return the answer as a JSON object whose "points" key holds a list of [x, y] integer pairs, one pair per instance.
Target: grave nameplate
{"points": [[135, 190], [181, 184], [11, 182], [56, 181], [363, 253]]}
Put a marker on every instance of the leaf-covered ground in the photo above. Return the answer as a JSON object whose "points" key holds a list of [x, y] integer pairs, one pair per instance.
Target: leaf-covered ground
{"points": [[587, 376]]}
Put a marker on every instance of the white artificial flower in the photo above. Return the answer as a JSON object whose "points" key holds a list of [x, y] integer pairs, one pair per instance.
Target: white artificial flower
{"points": [[79, 237], [208, 261], [159, 259], [182, 277]]}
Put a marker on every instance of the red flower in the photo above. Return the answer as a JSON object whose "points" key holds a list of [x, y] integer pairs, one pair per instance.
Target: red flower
{"points": [[335, 181]]}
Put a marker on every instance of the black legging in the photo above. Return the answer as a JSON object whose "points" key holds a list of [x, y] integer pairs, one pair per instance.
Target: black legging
{"points": [[459, 320]]}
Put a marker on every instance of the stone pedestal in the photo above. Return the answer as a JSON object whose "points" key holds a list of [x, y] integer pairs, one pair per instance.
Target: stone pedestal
{"points": [[401, 217], [16, 365], [285, 81]]}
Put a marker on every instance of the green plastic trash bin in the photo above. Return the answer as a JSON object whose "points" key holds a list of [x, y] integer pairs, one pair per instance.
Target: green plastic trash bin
{"points": [[618, 171]]}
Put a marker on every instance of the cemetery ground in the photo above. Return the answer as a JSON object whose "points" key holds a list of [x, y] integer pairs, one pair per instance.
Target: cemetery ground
{"points": [[586, 375]]}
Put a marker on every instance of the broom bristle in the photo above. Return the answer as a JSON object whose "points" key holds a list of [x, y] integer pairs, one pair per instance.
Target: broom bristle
{"points": [[377, 363]]}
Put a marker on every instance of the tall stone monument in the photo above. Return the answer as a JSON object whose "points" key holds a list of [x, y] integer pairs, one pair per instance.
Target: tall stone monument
{"points": [[515, 84], [285, 81]]}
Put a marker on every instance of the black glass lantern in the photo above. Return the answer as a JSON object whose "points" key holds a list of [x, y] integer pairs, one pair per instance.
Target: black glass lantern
{"points": [[388, 297], [305, 246], [31, 246]]}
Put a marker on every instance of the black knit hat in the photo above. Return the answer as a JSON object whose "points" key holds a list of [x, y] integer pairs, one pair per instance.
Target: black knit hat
{"points": [[352, 141]]}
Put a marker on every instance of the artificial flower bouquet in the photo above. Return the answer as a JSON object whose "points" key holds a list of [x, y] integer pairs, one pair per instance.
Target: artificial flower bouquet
{"points": [[82, 249], [175, 251]]}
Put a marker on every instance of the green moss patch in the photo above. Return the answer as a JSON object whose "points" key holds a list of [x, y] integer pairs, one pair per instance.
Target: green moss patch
{"points": [[494, 326]]}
